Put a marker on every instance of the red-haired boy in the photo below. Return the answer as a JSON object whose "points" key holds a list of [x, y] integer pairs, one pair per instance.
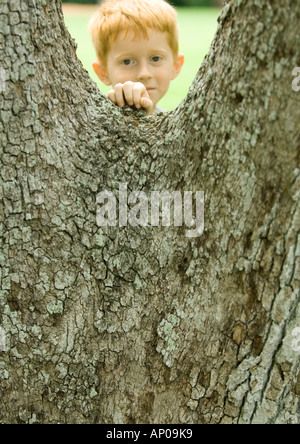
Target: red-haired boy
{"points": [[136, 43]]}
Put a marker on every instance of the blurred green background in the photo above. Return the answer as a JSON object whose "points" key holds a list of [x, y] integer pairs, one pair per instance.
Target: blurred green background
{"points": [[173, 2], [197, 26]]}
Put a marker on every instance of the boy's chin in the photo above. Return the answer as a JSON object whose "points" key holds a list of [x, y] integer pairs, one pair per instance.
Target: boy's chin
{"points": [[154, 96]]}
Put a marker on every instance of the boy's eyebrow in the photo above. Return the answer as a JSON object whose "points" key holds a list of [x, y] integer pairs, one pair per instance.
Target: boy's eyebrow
{"points": [[133, 52]]}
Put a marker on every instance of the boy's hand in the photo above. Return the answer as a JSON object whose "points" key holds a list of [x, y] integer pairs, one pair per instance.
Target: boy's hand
{"points": [[132, 94]]}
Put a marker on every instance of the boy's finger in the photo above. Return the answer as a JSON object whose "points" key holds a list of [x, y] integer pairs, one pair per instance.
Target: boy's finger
{"points": [[128, 93], [146, 103], [111, 95], [137, 96], [119, 95]]}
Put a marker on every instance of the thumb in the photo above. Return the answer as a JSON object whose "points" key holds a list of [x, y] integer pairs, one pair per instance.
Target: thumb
{"points": [[146, 102]]}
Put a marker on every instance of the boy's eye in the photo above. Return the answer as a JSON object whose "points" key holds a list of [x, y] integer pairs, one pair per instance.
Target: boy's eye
{"points": [[156, 59], [127, 62]]}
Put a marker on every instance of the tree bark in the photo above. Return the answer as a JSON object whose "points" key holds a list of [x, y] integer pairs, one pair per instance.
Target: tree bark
{"points": [[142, 324]]}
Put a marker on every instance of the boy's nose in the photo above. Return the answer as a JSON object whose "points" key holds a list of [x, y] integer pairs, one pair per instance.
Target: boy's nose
{"points": [[144, 72]]}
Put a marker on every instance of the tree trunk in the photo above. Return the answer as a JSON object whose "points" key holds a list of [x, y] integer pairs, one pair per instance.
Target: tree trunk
{"points": [[132, 324]]}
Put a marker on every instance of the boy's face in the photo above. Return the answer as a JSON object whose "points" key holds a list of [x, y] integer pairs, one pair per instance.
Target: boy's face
{"points": [[138, 59]]}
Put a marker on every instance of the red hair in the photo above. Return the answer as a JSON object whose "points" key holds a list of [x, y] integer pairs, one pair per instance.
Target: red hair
{"points": [[124, 16]]}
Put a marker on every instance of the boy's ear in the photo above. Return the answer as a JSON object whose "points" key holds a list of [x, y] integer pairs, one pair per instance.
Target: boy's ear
{"points": [[101, 72], [179, 61]]}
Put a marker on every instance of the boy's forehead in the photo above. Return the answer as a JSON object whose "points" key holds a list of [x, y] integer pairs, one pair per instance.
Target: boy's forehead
{"points": [[131, 35], [131, 40]]}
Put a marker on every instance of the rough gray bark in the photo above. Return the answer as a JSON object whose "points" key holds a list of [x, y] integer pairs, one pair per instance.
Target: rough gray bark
{"points": [[138, 325]]}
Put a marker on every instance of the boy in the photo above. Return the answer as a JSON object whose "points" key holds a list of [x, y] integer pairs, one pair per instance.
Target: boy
{"points": [[136, 43]]}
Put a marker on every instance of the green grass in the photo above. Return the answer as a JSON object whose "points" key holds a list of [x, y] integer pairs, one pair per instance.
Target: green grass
{"points": [[197, 27]]}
